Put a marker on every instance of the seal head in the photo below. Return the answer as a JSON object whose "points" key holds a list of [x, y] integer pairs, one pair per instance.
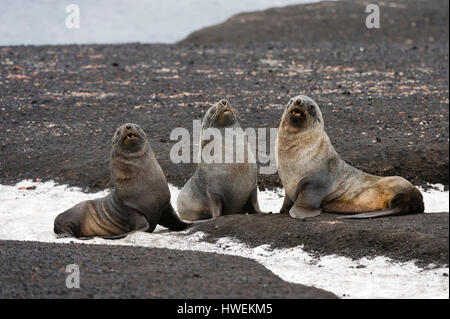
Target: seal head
{"points": [[220, 115], [303, 113], [129, 138]]}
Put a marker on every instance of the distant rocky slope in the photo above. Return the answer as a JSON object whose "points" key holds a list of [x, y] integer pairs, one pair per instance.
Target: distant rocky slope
{"points": [[334, 21]]}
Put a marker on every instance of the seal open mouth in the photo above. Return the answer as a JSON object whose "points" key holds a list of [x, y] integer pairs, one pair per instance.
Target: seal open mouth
{"points": [[227, 110], [297, 113], [131, 136]]}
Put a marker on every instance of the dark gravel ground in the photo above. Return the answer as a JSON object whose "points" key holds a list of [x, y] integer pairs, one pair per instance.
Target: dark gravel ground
{"points": [[383, 93], [423, 238], [383, 116], [38, 270], [385, 103]]}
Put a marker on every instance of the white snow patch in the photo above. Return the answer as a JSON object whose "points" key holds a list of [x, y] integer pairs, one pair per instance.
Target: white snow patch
{"points": [[435, 198], [29, 215]]}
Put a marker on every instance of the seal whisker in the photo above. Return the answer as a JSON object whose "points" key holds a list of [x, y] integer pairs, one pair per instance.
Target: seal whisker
{"points": [[236, 113]]}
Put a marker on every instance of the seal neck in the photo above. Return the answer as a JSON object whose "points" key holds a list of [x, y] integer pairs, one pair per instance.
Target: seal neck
{"points": [[118, 152]]}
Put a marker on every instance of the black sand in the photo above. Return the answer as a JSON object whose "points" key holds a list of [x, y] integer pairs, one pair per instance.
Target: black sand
{"points": [[385, 103], [422, 238], [383, 93], [38, 270]]}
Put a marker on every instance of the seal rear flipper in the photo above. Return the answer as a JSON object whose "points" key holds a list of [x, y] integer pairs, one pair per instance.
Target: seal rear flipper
{"points": [[170, 219], [138, 223], [140, 228], [120, 236], [111, 237], [378, 213], [402, 203], [303, 212]]}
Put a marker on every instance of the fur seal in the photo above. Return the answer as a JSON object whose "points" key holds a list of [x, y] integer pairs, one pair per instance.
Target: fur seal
{"points": [[316, 179], [140, 199], [222, 188]]}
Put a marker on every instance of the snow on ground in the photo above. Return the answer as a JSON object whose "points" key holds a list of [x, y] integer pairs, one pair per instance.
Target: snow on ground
{"points": [[29, 214], [436, 199]]}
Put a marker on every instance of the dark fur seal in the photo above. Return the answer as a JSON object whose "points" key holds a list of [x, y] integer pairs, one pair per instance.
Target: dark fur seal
{"points": [[223, 188], [316, 179], [140, 199]]}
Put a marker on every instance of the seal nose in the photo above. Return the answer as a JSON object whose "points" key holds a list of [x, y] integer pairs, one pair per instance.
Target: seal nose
{"points": [[223, 102], [128, 127]]}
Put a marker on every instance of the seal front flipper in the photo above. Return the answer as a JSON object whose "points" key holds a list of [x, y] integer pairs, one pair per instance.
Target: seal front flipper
{"points": [[310, 193], [137, 223], [252, 206], [378, 213], [303, 213], [170, 219], [287, 204], [151, 224], [215, 204]]}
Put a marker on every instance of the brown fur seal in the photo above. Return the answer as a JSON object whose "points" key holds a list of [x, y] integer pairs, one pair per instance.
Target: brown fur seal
{"points": [[316, 179], [222, 188], [140, 199]]}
